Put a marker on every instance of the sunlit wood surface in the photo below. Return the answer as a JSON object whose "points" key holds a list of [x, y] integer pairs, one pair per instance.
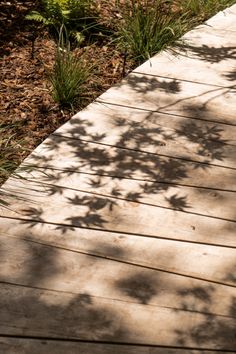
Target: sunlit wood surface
{"points": [[120, 236]]}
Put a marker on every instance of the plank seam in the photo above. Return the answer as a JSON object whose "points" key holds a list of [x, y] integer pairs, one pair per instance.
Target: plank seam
{"points": [[180, 79], [40, 183], [24, 220], [103, 102], [128, 178], [116, 300], [142, 151], [77, 340], [133, 263]]}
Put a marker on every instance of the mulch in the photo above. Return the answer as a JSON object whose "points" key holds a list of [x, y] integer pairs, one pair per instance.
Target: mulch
{"points": [[28, 113]]}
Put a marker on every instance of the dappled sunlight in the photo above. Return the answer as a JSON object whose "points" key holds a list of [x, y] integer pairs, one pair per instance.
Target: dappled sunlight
{"points": [[121, 229], [113, 183]]}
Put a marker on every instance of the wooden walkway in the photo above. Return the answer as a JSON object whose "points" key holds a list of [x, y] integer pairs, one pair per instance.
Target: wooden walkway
{"points": [[122, 238]]}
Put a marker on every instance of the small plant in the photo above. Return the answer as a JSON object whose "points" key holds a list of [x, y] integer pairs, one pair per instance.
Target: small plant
{"points": [[69, 73], [146, 28], [78, 16]]}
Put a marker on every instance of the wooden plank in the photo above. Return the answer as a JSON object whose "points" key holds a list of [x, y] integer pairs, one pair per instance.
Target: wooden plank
{"points": [[34, 312], [216, 30], [35, 265], [172, 96], [230, 10], [79, 156], [206, 56], [79, 209], [197, 261], [203, 202], [191, 63], [39, 346], [156, 133], [224, 20], [114, 121]]}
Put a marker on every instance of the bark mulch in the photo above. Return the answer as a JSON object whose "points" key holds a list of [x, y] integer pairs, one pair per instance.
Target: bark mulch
{"points": [[28, 113]]}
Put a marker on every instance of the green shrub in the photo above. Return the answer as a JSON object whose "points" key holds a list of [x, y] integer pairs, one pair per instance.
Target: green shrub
{"points": [[69, 74], [78, 16], [146, 28]]}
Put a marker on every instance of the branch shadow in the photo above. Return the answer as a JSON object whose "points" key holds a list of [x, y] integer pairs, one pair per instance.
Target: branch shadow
{"points": [[143, 84], [231, 75], [208, 53]]}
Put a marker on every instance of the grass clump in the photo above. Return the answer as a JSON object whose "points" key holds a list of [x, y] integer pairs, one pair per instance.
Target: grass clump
{"points": [[69, 74], [147, 27]]}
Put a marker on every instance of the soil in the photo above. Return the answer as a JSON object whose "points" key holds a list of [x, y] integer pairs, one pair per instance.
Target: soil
{"points": [[28, 113]]}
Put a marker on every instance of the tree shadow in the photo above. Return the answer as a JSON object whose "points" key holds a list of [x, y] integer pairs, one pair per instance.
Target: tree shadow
{"points": [[34, 293], [139, 286], [143, 84], [81, 317], [208, 53], [135, 168], [231, 75], [213, 330], [38, 301], [231, 275], [211, 148]]}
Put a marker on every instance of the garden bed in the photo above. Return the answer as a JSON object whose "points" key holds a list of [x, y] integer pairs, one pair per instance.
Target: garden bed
{"points": [[28, 113]]}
